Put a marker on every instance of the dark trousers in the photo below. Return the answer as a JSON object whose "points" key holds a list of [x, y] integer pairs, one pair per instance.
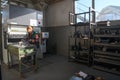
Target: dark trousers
{"points": [[34, 59], [0, 73]]}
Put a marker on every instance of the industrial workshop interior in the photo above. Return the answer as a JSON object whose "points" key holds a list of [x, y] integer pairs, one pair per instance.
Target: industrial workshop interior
{"points": [[60, 40]]}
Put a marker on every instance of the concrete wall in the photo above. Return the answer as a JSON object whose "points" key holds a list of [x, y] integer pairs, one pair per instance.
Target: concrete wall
{"points": [[56, 23], [57, 14], [58, 39]]}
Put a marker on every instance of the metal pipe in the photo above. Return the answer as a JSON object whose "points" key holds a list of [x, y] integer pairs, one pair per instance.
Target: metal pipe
{"points": [[82, 13]]}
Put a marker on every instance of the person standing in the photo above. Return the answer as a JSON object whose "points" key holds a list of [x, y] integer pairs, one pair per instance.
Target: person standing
{"points": [[31, 37], [34, 39]]}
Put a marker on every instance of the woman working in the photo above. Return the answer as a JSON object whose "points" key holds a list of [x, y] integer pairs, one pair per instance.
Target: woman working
{"points": [[34, 39]]}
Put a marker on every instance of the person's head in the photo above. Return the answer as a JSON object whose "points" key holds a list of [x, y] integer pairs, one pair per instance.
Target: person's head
{"points": [[37, 35], [29, 29]]}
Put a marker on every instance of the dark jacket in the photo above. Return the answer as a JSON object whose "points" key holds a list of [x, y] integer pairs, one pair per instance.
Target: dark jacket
{"points": [[31, 37]]}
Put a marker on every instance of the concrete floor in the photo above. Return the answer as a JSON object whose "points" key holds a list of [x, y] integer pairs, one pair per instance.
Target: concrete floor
{"points": [[56, 67]]}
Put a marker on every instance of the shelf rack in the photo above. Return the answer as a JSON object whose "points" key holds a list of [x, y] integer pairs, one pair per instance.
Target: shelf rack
{"points": [[79, 44], [106, 48]]}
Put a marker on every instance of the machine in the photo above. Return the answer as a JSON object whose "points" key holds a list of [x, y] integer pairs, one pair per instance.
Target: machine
{"points": [[44, 37], [15, 20]]}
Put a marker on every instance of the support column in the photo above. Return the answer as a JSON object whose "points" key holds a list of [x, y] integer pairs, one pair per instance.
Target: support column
{"points": [[93, 12], [1, 50]]}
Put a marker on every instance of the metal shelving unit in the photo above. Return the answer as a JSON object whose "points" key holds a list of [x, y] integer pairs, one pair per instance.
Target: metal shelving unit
{"points": [[78, 52], [79, 44], [106, 49]]}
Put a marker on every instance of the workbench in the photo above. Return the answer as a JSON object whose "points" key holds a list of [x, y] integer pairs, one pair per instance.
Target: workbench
{"points": [[21, 51]]}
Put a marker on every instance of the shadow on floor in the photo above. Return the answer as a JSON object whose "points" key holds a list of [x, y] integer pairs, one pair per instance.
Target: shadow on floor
{"points": [[56, 67]]}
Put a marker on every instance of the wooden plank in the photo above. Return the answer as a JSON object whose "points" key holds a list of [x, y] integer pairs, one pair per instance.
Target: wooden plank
{"points": [[107, 44], [108, 36], [107, 61], [107, 57], [106, 70], [106, 53]]}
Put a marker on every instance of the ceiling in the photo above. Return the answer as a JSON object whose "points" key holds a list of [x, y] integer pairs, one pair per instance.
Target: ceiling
{"points": [[37, 1], [38, 4], [46, 1]]}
